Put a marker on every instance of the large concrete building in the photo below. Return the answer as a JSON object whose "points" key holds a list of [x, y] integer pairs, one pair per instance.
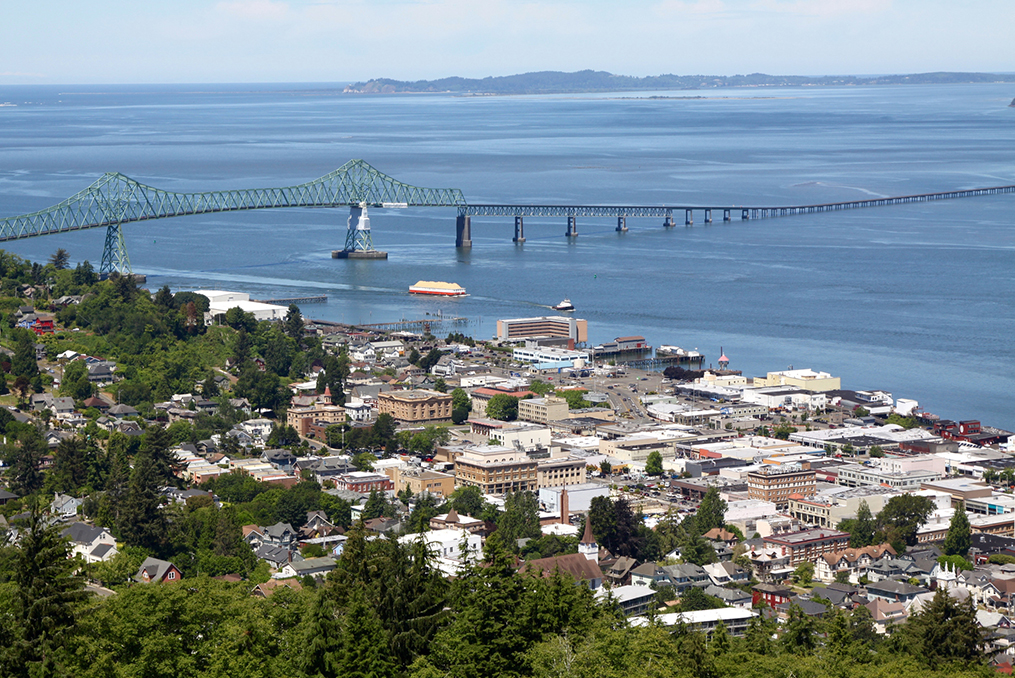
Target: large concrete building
{"points": [[495, 469], [542, 410], [777, 483], [518, 329], [415, 407], [808, 380], [221, 301], [560, 471]]}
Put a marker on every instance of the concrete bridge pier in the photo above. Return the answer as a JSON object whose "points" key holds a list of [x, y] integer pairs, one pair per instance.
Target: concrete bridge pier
{"points": [[726, 215], [572, 227], [463, 231], [621, 224], [669, 223], [744, 215], [688, 218], [519, 230], [708, 216]]}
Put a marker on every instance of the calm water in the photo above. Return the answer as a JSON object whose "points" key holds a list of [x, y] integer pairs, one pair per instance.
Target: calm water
{"points": [[914, 299]]}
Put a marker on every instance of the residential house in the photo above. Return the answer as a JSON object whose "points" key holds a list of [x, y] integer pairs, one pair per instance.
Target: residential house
{"points": [[310, 567], [648, 574], [722, 574], [894, 591], [269, 587], [93, 544], [853, 562], [684, 576], [574, 564], [276, 557], [772, 594], [619, 573], [157, 571], [886, 614], [64, 506], [732, 597]]}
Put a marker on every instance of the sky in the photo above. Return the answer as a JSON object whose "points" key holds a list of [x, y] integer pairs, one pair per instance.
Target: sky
{"points": [[338, 41]]}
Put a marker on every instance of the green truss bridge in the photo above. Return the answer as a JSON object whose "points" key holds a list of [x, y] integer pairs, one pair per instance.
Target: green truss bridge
{"points": [[115, 200]]}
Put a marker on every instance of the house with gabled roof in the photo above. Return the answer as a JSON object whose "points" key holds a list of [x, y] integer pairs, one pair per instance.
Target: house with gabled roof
{"points": [[93, 544], [854, 562], [153, 570], [574, 564], [269, 587]]}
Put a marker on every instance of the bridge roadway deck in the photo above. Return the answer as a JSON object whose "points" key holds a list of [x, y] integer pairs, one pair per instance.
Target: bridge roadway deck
{"points": [[745, 212]]}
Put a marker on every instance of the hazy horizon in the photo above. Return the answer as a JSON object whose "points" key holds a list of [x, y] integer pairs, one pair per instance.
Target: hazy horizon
{"points": [[312, 41]]}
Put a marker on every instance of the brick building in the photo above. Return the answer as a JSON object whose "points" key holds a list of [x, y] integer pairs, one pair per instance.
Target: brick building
{"points": [[808, 545], [777, 483], [364, 482]]}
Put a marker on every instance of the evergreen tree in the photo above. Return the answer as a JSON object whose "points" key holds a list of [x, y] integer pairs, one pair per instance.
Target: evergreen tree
{"points": [[141, 520], [520, 519], [800, 632], [23, 364], [711, 512], [25, 474], [71, 465], [59, 259], [155, 446], [862, 528], [360, 655], [945, 632], [487, 636], [48, 594], [293, 324], [959, 537]]}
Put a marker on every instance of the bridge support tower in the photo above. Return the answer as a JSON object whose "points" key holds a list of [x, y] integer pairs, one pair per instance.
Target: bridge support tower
{"points": [[519, 230], [114, 253], [708, 216], [621, 224], [744, 214], [726, 215], [463, 231], [572, 227], [358, 242], [688, 218], [669, 223]]}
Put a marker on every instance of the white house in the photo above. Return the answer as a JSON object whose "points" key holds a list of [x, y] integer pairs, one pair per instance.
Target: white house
{"points": [[93, 544]]}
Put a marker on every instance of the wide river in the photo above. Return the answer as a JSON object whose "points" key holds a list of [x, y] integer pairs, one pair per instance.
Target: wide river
{"points": [[914, 299]]}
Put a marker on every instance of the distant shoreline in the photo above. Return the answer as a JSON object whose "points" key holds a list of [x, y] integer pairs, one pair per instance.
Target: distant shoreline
{"points": [[589, 82]]}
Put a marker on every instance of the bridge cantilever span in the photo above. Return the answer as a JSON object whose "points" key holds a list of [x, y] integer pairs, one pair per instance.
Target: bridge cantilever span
{"points": [[115, 199]]}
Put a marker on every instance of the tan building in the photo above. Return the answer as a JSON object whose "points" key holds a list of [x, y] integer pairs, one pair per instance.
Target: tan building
{"points": [[542, 410], [324, 411], [416, 406], [560, 472], [777, 483], [808, 380], [495, 470], [517, 329], [419, 481]]}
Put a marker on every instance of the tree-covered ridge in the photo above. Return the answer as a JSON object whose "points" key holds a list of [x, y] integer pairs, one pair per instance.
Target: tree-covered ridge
{"points": [[542, 82], [386, 610]]}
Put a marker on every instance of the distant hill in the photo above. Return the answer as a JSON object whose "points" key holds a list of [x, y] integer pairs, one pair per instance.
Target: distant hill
{"points": [[546, 82]]}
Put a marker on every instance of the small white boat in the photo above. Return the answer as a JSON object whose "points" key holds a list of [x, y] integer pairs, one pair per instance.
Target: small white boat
{"points": [[565, 305]]}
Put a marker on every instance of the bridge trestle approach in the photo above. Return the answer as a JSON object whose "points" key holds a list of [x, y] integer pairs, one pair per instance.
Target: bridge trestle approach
{"points": [[114, 200]]}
